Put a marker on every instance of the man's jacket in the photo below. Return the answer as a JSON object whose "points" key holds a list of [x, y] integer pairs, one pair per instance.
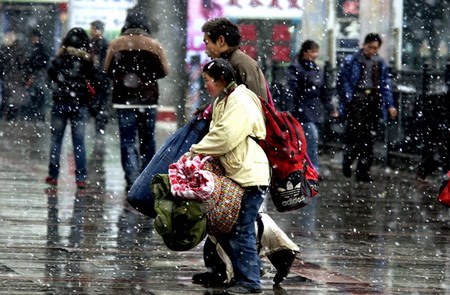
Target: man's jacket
{"points": [[349, 76], [134, 62], [247, 71]]}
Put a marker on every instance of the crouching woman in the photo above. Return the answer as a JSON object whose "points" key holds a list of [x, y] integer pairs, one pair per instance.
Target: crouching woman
{"points": [[237, 117]]}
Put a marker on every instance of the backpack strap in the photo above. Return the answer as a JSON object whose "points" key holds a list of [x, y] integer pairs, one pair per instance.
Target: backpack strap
{"points": [[269, 95]]}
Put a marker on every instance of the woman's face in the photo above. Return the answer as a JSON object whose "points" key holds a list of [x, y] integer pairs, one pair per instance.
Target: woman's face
{"points": [[311, 54], [213, 87]]}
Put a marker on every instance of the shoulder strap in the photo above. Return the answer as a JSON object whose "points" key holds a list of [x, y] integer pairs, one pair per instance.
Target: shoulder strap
{"points": [[269, 95]]}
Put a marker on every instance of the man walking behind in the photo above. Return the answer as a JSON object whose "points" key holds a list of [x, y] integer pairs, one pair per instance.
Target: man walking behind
{"points": [[365, 93], [134, 62], [36, 76], [99, 107]]}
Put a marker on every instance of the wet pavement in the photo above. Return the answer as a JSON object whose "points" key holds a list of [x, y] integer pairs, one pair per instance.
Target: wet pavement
{"points": [[389, 237]]}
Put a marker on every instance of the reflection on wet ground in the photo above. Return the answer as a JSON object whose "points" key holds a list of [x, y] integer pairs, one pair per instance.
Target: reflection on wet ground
{"points": [[389, 237]]}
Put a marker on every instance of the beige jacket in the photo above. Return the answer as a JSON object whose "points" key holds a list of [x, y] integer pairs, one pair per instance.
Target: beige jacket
{"points": [[234, 120]]}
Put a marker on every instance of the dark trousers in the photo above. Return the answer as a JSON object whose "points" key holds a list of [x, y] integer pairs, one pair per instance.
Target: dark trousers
{"points": [[363, 115], [137, 140], [100, 108]]}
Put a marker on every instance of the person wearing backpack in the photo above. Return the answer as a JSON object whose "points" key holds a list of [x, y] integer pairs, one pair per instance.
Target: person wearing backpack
{"points": [[135, 62], [236, 118], [306, 96], [365, 93], [69, 71], [222, 39]]}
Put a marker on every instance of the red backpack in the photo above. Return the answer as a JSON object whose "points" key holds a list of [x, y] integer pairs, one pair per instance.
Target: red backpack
{"points": [[294, 181], [444, 192]]}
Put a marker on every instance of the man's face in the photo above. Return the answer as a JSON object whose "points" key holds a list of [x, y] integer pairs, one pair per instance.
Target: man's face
{"points": [[95, 33], [370, 49], [213, 50]]}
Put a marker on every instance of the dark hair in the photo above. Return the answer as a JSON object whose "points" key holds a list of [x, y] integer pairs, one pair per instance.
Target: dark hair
{"points": [[77, 37], [219, 68], [98, 25], [373, 37], [222, 26], [136, 19], [307, 46]]}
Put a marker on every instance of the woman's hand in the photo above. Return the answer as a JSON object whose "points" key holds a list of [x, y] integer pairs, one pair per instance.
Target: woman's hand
{"points": [[198, 113], [188, 155]]}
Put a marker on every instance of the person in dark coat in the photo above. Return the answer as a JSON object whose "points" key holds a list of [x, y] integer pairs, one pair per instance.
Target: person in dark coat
{"points": [[70, 71], [36, 78], [100, 108], [12, 60], [365, 93], [307, 96], [436, 134], [135, 62]]}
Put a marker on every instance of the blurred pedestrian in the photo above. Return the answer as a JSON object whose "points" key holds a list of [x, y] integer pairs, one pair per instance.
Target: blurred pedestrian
{"points": [[70, 71], [36, 77], [135, 62], [436, 134], [100, 107], [365, 92], [12, 61], [307, 96]]}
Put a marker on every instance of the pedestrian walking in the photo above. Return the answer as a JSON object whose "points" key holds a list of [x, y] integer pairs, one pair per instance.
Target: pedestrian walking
{"points": [[436, 134], [222, 39], [36, 77], [236, 118], [70, 71], [12, 75], [365, 93], [135, 62], [307, 97], [100, 108]]}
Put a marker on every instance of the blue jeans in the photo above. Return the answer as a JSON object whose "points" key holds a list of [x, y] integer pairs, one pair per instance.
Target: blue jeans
{"points": [[242, 240], [61, 114], [133, 123], [312, 143]]}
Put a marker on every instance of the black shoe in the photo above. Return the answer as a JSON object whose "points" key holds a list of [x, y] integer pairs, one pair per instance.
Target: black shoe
{"points": [[364, 178], [237, 289], [346, 169], [282, 260], [209, 279]]}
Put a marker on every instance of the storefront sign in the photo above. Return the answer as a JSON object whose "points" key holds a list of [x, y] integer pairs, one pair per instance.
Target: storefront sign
{"points": [[199, 11], [111, 12], [263, 9], [35, 1]]}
